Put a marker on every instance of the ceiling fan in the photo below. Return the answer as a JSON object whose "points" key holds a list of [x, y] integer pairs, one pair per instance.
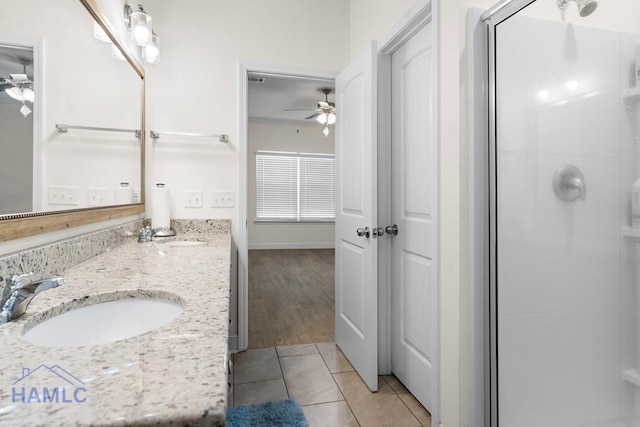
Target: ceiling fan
{"points": [[20, 88], [325, 113]]}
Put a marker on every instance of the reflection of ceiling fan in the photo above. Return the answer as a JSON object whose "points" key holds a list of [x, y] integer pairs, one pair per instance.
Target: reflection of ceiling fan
{"points": [[20, 88], [325, 113]]}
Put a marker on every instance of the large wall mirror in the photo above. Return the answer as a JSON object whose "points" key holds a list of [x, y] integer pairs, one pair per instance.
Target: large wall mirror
{"points": [[71, 119]]}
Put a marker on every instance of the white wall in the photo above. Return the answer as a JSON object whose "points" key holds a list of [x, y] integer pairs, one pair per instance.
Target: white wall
{"points": [[195, 86], [292, 137]]}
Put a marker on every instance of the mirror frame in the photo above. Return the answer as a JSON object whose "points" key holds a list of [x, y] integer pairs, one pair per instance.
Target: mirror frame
{"points": [[15, 226]]}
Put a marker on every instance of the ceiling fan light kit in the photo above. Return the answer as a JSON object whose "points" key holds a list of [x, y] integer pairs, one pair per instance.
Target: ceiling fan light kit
{"points": [[20, 88], [325, 113]]}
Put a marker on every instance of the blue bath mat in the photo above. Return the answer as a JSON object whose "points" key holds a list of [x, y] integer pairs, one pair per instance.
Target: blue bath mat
{"points": [[284, 413]]}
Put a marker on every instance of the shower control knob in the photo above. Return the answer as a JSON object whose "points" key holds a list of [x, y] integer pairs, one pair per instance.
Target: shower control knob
{"points": [[568, 184]]}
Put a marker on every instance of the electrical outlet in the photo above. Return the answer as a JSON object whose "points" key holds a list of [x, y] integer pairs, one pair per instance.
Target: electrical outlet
{"points": [[137, 198], [60, 195], [98, 197], [223, 199], [193, 199]]}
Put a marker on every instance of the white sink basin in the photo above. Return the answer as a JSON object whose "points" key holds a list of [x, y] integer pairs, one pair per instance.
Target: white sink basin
{"points": [[185, 243], [103, 323]]}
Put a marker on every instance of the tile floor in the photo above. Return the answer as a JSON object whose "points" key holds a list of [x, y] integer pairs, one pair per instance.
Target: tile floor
{"points": [[322, 380]]}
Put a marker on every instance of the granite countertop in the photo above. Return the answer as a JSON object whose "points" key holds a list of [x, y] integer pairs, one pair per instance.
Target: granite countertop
{"points": [[174, 375]]}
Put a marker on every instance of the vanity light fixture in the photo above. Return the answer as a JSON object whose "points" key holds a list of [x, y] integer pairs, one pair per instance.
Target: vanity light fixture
{"points": [[139, 24]]}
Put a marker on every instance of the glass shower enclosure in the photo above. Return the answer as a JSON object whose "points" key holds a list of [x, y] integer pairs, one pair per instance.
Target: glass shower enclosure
{"points": [[564, 155]]}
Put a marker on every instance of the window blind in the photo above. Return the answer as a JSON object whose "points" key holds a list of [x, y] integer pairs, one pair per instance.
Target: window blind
{"points": [[295, 187]]}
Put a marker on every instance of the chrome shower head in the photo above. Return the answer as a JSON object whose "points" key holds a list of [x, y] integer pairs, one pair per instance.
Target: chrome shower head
{"points": [[585, 7]]}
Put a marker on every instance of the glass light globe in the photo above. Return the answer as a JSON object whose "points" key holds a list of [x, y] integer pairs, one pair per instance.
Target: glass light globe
{"points": [[141, 28], [322, 118], [28, 94], [15, 93], [332, 119], [151, 52]]}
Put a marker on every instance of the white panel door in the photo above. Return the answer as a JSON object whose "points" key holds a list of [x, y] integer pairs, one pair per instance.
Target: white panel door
{"points": [[356, 204], [414, 210]]}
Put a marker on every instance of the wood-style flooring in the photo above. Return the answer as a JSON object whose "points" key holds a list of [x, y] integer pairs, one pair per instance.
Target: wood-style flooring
{"points": [[291, 297]]}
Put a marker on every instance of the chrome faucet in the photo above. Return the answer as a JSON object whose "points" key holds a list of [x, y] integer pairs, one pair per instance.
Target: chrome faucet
{"points": [[19, 292]]}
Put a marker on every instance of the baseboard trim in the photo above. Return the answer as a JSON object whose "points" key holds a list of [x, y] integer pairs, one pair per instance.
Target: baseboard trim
{"points": [[292, 245]]}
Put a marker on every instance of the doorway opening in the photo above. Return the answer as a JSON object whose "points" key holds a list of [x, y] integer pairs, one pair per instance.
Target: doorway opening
{"points": [[290, 209]]}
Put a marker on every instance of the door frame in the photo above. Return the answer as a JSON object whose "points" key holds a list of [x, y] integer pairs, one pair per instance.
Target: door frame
{"points": [[244, 68], [422, 13]]}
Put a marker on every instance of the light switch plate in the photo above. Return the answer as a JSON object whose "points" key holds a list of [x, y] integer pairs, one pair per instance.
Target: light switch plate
{"points": [[193, 199], [223, 199], [61, 195], [98, 197]]}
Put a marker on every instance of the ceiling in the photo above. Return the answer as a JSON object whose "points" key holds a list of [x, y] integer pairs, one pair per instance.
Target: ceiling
{"points": [[269, 99]]}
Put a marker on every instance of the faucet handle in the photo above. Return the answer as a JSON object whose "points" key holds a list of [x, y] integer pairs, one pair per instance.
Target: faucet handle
{"points": [[19, 280], [14, 282]]}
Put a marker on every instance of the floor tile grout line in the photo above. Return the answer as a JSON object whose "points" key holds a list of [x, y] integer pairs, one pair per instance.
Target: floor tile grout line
{"points": [[346, 401], [409, 409], [344, 398], [323, 403], [336, 383], [403, 402], [284, 380]]}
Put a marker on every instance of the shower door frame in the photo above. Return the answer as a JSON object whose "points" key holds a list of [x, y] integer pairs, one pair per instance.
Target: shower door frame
{"points": [[492, 18]]}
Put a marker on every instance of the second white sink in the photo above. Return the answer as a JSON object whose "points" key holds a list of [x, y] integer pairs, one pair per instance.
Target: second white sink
{"points": [[103, 323]]}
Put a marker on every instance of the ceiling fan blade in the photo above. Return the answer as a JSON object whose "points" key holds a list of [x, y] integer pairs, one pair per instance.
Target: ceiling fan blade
{"points": [[322, 104], [4, 86], [313, 116]]}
